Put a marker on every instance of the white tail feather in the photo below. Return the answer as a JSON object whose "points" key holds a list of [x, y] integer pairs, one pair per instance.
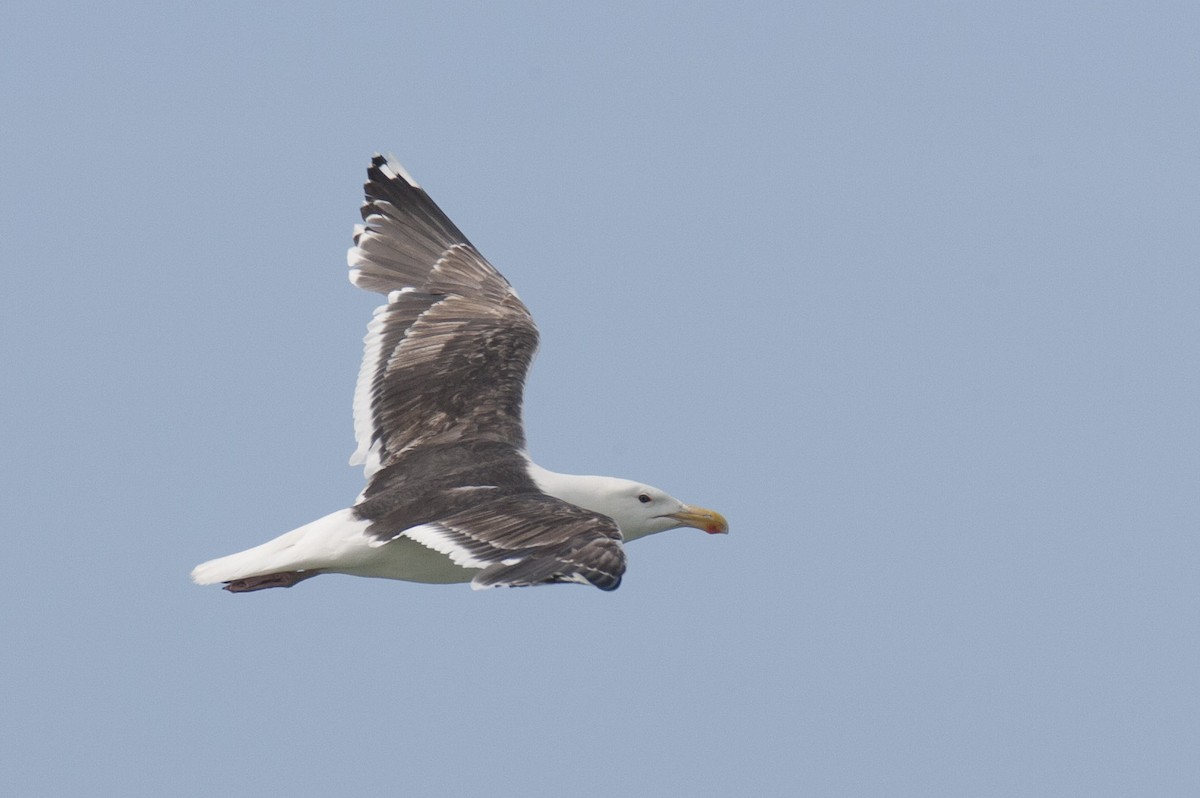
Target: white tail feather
{"points": [[337, 540]]}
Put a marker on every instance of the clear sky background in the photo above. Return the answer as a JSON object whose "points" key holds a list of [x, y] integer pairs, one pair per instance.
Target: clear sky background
{"points": [[909, 292]]}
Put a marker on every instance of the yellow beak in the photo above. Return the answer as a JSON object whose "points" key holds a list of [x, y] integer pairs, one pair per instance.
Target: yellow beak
{"points": [[710, 521]]}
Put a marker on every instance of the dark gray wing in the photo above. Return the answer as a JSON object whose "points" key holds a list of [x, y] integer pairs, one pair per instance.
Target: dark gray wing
{"points": [[445, 359], [525, 539], [437, 411]]}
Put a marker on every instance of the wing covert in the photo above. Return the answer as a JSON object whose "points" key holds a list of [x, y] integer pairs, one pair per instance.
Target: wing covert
{"points": [[525, 539], [445, 359]]}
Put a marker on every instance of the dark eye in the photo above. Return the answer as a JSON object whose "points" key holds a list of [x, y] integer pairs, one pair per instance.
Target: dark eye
{"points": [[644, 498]]}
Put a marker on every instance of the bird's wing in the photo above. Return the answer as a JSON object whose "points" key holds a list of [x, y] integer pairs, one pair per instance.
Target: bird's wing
{"points": [[445, 359], [525, 539]]}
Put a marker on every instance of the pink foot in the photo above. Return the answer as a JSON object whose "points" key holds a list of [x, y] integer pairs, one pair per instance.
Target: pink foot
{"points": [[281, 579]]}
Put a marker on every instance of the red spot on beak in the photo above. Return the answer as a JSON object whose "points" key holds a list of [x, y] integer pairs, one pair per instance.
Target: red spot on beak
{"points": [[708, 521]]}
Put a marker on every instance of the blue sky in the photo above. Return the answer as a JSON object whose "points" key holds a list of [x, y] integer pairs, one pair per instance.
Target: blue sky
{"points": [[909, 292]]}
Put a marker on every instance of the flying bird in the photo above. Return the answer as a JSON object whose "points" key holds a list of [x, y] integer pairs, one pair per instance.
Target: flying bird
{"points": [[451, 494]]}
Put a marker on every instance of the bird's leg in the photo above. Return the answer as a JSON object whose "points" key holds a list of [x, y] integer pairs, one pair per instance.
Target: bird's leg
{"points": [[281, 579]]}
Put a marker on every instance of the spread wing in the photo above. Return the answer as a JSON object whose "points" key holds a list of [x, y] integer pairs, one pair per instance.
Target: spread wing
{"points": [[437, 410], [525, 539], [446, 357]]}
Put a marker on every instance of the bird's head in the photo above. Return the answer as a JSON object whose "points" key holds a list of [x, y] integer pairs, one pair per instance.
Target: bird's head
{"points": [[641, 510]]}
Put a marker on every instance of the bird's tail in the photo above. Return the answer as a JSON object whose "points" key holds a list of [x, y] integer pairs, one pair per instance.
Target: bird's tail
{"points": [[335, 539]]}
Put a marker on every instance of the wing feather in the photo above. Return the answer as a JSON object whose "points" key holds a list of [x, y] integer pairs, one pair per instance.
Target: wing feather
{"points": [[437, 409], [445, 359], [526, 539]]}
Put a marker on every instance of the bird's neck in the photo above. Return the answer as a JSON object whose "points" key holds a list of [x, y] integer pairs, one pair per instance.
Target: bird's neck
{"points": [[582, 491]]}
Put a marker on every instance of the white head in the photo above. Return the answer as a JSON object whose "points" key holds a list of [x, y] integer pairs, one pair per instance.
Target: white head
{"points": [[638, 509]]}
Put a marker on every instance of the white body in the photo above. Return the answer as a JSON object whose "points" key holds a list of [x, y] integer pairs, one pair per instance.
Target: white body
{"points": [[338, 542]]}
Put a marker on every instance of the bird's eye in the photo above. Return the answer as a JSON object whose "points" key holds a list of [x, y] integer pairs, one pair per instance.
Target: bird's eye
{"points": [[644, 498]]}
